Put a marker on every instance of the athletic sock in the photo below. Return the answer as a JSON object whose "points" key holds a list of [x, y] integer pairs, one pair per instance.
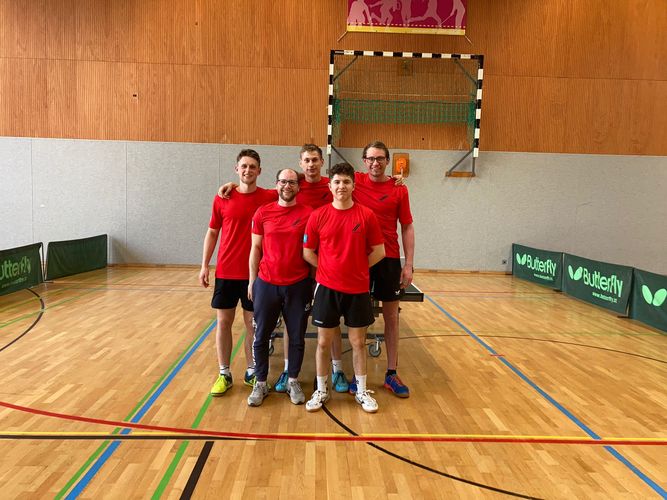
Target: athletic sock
{"points": [[250, 371], [286, 365], [224, 370], [361, 382], [390, 373], [337, 365], [322, 383]]}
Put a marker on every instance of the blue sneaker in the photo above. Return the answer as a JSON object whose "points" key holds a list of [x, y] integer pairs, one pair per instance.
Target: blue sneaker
{"points": [[395, 385], [249, 380], [281, 383], [352, 386], [339, 381]]}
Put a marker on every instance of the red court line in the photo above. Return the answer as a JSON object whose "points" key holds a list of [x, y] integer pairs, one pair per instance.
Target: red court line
{"points": [[315, 437]]}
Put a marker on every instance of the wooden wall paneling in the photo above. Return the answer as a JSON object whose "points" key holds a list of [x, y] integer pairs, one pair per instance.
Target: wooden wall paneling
{"points": [[169, 32], [61, 33], [62, 98], [22, 28], [106, 108], [105, 30], [155, 83], [23, 97]]}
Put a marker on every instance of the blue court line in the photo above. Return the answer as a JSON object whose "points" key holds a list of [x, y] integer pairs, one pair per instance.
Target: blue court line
{"points": [[656, 487], [85, 480]]}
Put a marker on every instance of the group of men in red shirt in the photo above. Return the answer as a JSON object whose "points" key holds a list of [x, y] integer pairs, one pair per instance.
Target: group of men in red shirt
{"points": [[346, 228]]}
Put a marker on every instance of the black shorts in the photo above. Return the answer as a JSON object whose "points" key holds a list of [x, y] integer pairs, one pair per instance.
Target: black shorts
{"points": [[228, 292], [385, 284], [329, 305]]}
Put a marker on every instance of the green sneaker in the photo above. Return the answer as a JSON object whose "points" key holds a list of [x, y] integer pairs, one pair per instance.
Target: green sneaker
{"points": [[249, 380], [221, 385]]}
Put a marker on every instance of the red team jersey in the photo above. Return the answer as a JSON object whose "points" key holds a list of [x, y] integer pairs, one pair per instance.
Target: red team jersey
{"points": [[282, 230], [233, 217], [314, 194], [343, 240], [390, 203]]}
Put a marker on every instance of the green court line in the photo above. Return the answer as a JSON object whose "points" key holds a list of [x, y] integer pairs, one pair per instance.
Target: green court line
{"points": [[105, 444], [181, 450]]}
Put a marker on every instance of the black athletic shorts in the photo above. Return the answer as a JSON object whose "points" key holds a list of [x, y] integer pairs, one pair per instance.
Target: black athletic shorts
{"points": [[385, 284], [329, 305], [227, 293]]}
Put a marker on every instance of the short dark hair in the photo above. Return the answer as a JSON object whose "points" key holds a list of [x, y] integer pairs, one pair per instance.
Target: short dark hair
{"points": [[310, 148], [342, 169], [283, 169], [250, 153], [376, 145]]}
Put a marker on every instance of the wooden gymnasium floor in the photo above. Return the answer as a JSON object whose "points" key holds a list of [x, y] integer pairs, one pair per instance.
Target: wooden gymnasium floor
{"points": [[517, 391]]}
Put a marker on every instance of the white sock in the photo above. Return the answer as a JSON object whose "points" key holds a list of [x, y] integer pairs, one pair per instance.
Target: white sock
{"points": [[224, 370], [259, 383], [361, 382], [250, 370], [322, 383], [290, 380], [337, 365], [286, 365]]}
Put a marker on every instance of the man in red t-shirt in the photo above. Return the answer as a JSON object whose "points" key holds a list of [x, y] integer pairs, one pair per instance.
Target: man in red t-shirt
{"points": [[391, 204], [231, 220], [280, 282], [342, 240]]}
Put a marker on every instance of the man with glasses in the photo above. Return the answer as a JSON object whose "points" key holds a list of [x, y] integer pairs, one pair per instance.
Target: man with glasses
{"points": [[388, 279], [231, 220], [342, 240], [279, 283]]}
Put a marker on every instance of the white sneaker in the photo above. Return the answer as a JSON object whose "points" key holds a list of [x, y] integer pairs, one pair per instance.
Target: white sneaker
{"points": [[317, 400], [259, 392], [368, 404], [295, 392]]}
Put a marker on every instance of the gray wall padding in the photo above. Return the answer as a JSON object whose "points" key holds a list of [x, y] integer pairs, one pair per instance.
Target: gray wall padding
{"points": [[154, 201]]}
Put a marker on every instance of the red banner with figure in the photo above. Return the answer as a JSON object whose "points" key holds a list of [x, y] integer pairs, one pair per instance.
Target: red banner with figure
{"points": [[437, 17]]}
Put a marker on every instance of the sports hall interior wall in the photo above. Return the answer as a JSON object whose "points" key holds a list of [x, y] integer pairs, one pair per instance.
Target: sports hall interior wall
{"points": [[122, 117]]}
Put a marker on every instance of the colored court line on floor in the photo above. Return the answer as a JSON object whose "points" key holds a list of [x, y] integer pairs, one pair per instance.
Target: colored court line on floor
{"points": [[200, 415], [186, 434], [100, 456], [641, 475], [171, 432]]}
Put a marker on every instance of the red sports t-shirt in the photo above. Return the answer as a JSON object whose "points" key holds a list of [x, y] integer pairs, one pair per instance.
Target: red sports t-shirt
{"points": [[390, 203], [343, 240], [282, 231], [314, 194], [233, 217]]}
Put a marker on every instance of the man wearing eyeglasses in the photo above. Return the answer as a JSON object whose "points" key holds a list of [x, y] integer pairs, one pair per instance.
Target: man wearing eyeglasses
{"points": [[391, 204], [280, 282], [231, 220]]}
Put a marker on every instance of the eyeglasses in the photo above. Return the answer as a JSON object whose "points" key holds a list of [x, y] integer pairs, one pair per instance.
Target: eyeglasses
{"points": [[284, 182], [373, 159]]}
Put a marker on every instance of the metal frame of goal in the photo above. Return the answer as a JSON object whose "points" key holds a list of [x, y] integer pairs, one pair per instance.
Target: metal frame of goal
{"points": [[406, 88]]}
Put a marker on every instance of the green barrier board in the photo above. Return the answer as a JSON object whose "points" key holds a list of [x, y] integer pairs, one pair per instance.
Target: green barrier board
{"points": [[64, 258], [600, 283], [649, 299], [20, 268], [539, 266]]}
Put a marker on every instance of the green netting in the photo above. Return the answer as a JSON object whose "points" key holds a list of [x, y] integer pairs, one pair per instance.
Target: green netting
{"points": [[64, 258], [391, 111]]}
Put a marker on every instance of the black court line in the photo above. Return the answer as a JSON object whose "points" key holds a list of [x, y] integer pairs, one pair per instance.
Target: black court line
{"points": [[197, 470], [39, 316], [426, 467]]}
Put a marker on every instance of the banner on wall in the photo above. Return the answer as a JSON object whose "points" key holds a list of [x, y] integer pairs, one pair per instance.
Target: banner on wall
{"points": [[20, 268], [649, 299], [600, 283], [539, 266], [435, 17]]}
